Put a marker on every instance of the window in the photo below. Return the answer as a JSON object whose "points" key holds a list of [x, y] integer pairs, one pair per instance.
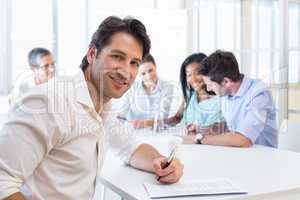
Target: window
{"points": [[31, 27], [294, 60]]}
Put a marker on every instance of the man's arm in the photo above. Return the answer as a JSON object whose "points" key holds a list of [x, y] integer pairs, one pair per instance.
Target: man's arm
{"points": [[228, 139], [123, 142], [24, 141], [248, 129], [147, 158]]}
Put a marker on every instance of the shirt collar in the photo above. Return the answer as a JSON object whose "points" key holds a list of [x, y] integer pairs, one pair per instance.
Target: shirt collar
{"points": [[81, 91], [244, 87]]}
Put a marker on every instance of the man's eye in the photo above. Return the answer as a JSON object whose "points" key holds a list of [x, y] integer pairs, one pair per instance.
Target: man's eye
{"points": [[136, 64], [116, 57]]}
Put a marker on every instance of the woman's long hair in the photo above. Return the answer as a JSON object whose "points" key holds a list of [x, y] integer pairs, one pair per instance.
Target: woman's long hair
{"points": [[194, 58]]}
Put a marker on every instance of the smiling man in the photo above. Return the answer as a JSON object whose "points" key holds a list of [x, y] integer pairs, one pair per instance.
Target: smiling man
{"points": [[56, 140]]}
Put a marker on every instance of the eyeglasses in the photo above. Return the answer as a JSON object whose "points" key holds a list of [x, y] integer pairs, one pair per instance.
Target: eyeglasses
{"points": [[47, 67]]}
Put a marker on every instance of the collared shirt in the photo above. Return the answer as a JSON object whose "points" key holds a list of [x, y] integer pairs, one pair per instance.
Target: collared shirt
{"points": [[137, 104], [203, 113], [54, 142], [251, 112]]}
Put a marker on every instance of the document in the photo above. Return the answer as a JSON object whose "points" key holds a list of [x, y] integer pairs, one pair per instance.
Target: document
{"points": [[193, 188]]}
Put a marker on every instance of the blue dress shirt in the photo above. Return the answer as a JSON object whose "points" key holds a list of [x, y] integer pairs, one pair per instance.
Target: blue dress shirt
{"points": [[251, 112]]}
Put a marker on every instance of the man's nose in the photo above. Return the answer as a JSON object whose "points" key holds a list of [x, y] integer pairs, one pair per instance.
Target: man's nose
{"points": [[124, 73]]}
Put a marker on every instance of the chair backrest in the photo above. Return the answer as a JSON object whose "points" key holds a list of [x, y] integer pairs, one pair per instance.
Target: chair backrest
{"points": [[289, 135]]}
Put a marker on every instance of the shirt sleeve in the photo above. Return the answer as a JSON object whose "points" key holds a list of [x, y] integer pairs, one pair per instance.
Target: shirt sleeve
{"points": [[255, 116], [121, 138], [25, 139]]}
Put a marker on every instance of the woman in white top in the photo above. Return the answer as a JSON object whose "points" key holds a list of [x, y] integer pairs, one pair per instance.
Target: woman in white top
{"points": [[148, 97]]}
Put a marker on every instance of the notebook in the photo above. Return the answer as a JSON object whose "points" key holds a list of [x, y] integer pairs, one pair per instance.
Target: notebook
{"points": [[193, 188]]}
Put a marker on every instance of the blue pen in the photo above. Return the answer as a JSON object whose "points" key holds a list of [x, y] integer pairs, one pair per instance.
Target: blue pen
{"points": [[124, 119]]}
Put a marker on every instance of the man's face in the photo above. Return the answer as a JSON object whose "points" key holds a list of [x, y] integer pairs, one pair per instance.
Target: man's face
{"points": [[116, 66], [219, 89], [148, 73], [45, 70]]}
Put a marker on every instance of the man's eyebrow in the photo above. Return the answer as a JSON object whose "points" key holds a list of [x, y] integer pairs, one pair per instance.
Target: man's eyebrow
{"points": [[124, 54], [118, 51]]}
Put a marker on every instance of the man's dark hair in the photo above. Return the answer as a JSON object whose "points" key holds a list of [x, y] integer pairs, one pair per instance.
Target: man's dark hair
{"points": [[35, 55], [194, 58], [148, 58], [219, 65], [112, 25]]}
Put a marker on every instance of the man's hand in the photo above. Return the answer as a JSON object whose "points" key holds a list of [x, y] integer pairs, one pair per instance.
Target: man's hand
{"points": [[170, 174]]}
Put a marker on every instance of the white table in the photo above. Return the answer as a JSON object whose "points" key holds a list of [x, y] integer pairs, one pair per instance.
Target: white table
{"points": [[266, 173]]}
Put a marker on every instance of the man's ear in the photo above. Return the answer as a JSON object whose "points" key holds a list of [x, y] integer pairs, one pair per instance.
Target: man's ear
{"points": [[226, 81], [91, 54]]}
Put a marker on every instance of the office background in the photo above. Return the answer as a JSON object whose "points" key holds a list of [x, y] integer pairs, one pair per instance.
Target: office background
{"points": [[263, 34]]}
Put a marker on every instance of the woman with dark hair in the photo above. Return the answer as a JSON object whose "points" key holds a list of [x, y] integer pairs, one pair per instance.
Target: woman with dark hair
{"points": [[200, 107]]}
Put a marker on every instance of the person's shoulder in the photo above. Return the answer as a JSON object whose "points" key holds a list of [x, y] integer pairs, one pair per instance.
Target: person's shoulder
{"points": [[258, 86], [259, 91]]}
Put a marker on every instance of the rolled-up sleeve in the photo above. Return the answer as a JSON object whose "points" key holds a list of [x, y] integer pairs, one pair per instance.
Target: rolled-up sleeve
{"points": [[24, 140], [122, 139], [255, 116]]}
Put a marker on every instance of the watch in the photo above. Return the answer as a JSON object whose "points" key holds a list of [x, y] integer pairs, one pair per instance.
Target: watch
{"points": [[198, 138]]}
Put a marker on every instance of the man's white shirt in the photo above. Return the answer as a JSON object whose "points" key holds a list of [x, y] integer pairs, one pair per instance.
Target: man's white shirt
{"points": [[55, 143]]}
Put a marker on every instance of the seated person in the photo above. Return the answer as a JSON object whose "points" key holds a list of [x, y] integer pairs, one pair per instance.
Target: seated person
{"points": [[247, 105], [42, 64], [148, 96], [200, 107], [56, 140]]}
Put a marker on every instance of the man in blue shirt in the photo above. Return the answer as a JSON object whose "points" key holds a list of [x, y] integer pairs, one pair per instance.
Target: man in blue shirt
{"points": [[247, 105]]}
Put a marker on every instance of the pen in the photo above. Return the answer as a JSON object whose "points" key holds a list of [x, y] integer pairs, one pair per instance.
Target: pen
{"points": [[124, 119], [169, 160]]}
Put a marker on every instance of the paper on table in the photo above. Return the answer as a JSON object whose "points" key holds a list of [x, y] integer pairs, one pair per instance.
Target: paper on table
{"points": [[193, 188]]}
